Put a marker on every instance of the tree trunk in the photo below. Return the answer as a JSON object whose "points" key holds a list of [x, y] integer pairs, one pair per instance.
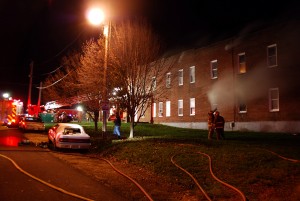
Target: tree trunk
{"points": [[131, 127], [96, 115]]}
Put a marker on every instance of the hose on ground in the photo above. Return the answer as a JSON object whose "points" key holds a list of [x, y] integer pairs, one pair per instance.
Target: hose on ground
{"points": [[282, 157], [118, 171], [211, 172], [42, 181]]}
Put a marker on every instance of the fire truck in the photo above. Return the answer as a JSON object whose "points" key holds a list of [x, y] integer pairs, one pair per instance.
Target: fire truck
{"points": [[10, 110]]}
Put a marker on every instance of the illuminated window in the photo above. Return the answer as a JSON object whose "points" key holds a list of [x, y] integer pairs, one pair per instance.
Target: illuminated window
{"points": [[180, 107], [192, 106], [274, 99], [168, 80], [180, 77], [154, 110], [242, 62], [272, 55], [192, 74], [168, 108], [160, 109], [214, 69]]}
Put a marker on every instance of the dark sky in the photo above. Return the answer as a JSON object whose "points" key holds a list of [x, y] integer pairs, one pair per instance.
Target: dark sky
{"points": [[43, 31]]}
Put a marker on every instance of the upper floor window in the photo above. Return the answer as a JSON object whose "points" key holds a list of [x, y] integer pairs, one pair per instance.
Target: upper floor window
{"points": [[168, 80], [242, 63], [168, 108], [180, 107], [272, 55], [192, 74], [214, 69], [153, 83], [274, 99], [192, 106], [160, 109], [180, 77]]}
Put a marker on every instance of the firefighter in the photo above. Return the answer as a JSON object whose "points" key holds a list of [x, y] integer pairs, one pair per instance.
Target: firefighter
{"points": [[219, 123], [210, 124]]}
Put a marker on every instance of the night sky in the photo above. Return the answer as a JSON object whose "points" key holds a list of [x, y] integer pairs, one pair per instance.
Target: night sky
{"points": [[43, 31]]}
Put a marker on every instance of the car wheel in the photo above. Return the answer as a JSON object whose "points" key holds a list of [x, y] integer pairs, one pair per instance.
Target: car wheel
{"points": [[54, 145], [50, 144]]}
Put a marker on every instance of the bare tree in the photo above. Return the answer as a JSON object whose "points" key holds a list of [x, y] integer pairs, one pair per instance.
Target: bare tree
{"points": [[61, 83], [135, 71], [139, 68], [90, 77], [79, 81]]}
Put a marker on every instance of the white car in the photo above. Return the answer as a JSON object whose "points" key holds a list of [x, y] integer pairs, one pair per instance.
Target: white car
{"points": [[69, 136]]}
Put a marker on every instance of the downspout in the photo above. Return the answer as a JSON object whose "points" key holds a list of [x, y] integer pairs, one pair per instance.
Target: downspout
{"points": [[233, 83]]}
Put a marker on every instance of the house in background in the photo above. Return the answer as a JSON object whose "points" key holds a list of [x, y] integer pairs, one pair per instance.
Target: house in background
{"points": [[253, 79]]}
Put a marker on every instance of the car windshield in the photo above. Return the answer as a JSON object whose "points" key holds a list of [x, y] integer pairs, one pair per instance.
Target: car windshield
{"points": [[72, 130]]}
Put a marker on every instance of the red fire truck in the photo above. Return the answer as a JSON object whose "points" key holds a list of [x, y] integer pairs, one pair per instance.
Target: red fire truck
{"points": [[10, 110]]}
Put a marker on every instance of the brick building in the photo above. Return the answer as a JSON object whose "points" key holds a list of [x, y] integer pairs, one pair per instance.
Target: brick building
{"points": [[251, 78]]}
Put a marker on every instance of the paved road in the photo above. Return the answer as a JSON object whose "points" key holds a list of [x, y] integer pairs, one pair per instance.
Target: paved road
{"points": [[40, 163]]}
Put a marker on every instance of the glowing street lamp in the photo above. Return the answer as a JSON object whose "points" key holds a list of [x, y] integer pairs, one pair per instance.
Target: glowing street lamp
{"points": [[5, 95], [97, 17]]}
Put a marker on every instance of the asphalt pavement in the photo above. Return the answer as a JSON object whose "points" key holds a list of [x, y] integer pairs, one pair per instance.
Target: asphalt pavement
{"points": [[32, 173]]}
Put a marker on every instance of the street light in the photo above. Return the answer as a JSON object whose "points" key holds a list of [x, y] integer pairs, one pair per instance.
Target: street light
{"points": [[97, 17], [5, 95]]}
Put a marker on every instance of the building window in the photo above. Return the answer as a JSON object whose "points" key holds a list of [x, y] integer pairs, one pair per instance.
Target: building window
{"points": [[214, 69], [153, 83], [180, 107], [274, 99], [160, 109], [192, 74], [168, 80], [180, 77], [192, 106], [242, 62], [272, 55], [168, 108], [154, 110], [242, 106]]}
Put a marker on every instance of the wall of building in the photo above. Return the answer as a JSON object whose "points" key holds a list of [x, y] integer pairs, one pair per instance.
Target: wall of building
{"points": [[230, 87]]}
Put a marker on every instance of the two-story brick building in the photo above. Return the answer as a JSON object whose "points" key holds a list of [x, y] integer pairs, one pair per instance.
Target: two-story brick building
{"points": [[251, 78]]}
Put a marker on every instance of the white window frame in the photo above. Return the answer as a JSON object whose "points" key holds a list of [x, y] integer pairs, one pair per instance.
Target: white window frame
{"points": [[168, 80], [242, 63], [168, 108], [180, 77], [272, 55], [192, 106], [192, 74], [274, 100], [160, 109], [180, 107], [154, 110], [214, 69]]}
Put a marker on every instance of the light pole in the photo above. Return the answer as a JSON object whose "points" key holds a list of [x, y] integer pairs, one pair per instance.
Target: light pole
{"points": [[96, 17]]}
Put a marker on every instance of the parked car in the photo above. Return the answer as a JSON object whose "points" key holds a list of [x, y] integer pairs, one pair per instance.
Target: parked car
{"points": [[32, 123], [68, 136]]}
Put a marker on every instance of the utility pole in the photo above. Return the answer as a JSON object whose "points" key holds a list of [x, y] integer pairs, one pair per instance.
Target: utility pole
{"points": [[40, 95], [30, 84]]}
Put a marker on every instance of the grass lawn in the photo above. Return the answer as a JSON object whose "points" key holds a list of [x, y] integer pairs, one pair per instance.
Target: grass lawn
{"points": [[256, 163]]}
